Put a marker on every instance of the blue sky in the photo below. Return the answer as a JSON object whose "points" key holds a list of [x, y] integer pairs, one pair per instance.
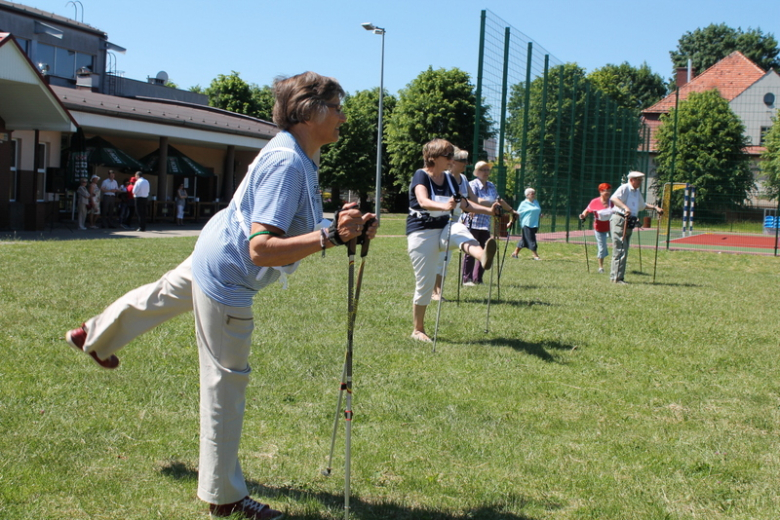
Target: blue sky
{"points": [[195, 40]]}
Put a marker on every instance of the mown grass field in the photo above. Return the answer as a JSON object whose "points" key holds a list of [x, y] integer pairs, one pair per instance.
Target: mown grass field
{"points": [[584, 400]]}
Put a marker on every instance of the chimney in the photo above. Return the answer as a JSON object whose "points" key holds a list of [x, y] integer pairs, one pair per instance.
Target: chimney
{"points": [[87, 80], [682, 77]]}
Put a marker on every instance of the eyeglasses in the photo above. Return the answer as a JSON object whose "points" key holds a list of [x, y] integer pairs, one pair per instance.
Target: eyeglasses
{"points": [[449, 156], [338, 108], [464, 161]]}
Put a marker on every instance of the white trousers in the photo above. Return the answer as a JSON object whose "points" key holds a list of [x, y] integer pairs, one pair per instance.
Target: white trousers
{"points": [[140, 310], [424, 248], [224, 337]]}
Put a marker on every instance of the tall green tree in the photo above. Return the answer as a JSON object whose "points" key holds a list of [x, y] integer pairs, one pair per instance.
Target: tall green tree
{"points": [[770, 165], [231, 93], [567, 154], [707, 46], [710, 152], [350, 163], [263, 98], [631, 87], [437, 103]]}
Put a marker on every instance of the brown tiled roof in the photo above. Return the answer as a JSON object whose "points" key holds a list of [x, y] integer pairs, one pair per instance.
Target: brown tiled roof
{"points": [[165, 112], [731, 76]]}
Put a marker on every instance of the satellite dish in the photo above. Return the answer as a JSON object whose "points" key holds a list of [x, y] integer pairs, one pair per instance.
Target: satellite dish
{"points": [[162, 77]]}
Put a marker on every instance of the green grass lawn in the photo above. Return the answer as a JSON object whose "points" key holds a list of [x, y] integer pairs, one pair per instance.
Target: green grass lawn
{"points": [[584, 400]]}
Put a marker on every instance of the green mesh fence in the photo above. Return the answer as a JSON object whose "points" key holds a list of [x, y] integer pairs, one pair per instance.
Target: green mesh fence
{"points": [[555, 132]]}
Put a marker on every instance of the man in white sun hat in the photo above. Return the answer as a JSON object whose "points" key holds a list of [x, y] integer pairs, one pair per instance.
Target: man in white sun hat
{"points": [[628, 203]]}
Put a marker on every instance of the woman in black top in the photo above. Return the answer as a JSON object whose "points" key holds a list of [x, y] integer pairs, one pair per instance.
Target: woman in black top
{"points": [[431, 203]]}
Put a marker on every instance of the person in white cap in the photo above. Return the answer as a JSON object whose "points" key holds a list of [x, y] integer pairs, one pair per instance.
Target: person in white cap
{"points": [[628, 202]]}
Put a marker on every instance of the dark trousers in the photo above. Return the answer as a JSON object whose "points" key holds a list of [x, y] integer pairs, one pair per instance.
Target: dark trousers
{"points": [[107, 208], [472, 269], [140, 209]]}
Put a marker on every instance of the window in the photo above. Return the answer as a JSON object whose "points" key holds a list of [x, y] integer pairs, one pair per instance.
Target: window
{"points": [[14, 169], [62, 62], [45, 57], [764, 130], [40, 173], [84, 60]]}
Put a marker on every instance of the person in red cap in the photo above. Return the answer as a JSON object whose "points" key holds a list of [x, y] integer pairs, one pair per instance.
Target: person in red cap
{"points": [[601, 208]]}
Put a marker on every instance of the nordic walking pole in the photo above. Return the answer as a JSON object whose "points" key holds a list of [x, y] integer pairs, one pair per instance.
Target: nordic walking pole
{"points": [[444, 273], [350, 324], [496, 224], [639, 245], [346, 376], [348, 362], [351, 245], [585, 243], [624, 250], [657, 234], [506, 245], [460, 274]]}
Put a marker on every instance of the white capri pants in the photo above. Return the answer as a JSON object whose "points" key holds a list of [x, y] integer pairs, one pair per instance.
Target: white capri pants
{"points": [[224, 337], [140, 310], [424, 248]]}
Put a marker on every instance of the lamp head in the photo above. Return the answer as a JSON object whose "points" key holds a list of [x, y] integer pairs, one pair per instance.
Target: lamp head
{"points": [[368, 26]]}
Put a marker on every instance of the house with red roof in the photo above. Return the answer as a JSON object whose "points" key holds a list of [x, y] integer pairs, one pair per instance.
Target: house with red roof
{"points": [[753, 94]]}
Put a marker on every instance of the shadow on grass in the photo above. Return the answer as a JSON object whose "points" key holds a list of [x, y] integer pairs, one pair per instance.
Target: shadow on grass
{"points": [[359, 508], [540, 350], [513, 303]]}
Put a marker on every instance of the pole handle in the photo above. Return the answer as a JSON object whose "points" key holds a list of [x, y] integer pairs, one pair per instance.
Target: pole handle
{"points": [[364, 240]]}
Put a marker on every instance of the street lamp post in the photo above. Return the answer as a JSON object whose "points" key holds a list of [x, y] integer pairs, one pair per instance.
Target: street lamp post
{"points": [[378, 196]]}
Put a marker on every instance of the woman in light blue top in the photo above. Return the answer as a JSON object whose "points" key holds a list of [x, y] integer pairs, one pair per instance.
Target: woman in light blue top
{"points": [[529, 211], [273, 221]]}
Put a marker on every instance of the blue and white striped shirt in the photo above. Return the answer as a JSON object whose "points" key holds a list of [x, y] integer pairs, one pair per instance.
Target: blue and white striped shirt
{"points": [[280, 190]]}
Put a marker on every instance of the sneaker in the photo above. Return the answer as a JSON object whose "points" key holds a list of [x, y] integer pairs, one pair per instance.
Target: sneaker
{"points": [[76, 339], [248, 508], [601, 270], [513, 256], [82, 228], [621, 282], [536, 258], [488, 253], [469, 284]]}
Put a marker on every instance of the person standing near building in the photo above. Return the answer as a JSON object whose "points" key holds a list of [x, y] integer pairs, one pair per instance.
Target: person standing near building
{"points": [[628, 203], [83, 201], [108, 190], [141, 196]]}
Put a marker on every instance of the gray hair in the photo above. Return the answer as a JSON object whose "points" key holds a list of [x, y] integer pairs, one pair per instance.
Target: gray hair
{"points": [[528, 191], [460, 155]]}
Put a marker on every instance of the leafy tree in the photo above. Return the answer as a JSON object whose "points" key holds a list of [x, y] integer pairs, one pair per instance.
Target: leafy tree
{"points": [[710, 152], [171, 84], [263, 101], [437, 103], [631, 87], [707, 46], [350, 163], [770, 165], [231, 93], [197, 89]]}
